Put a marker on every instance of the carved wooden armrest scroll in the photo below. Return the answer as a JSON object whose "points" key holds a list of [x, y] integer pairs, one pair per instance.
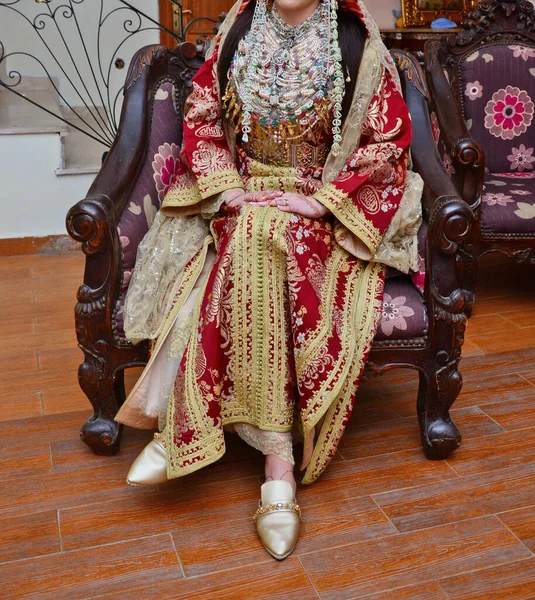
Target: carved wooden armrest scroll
{"points": [[92, 223], [451, 266], [467, 156]]}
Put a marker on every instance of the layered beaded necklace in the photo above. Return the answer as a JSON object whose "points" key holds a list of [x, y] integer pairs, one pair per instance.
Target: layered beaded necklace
{"points": [[286, 80]]}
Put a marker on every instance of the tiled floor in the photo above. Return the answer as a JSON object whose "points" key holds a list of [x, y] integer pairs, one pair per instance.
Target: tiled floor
{"points": [[383, 523]]}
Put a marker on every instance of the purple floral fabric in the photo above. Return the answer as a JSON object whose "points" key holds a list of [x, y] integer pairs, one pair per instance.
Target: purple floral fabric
{"points": [[441, 146], [156, 174], [498, 98], [509, 203], [418, 277], [404, 313]]}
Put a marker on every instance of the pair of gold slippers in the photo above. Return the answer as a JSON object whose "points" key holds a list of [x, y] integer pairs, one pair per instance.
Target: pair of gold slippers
{"points": [[278, 516]]}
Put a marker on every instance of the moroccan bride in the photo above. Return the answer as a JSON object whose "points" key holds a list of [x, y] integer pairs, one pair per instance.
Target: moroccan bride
{"points": [[260, 282]]}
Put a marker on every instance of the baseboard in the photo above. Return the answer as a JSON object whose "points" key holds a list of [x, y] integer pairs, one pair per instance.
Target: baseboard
{"points": [[50, 244]]}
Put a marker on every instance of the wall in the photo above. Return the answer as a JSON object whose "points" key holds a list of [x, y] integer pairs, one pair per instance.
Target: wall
{"points": [[381, 11], [33, 200]]}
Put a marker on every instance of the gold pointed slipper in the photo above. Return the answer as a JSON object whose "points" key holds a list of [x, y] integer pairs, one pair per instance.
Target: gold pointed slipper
{"points": [[150, 467], [278, 518]]}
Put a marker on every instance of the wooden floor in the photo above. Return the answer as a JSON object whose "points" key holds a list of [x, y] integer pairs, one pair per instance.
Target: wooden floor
{"points": [[383, 522]]}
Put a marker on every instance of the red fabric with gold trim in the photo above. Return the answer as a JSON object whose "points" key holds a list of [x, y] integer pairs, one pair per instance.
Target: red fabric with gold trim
{"points": [[206, 167], [302, 336], [374, 177]]}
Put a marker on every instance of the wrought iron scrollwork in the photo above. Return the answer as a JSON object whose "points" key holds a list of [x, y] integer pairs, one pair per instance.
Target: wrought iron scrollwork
{"points": [[81, 54]]}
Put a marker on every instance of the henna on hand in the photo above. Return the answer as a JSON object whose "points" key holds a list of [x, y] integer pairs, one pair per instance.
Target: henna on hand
{"points": [[306, 206], [238, 197], [318, 210]]}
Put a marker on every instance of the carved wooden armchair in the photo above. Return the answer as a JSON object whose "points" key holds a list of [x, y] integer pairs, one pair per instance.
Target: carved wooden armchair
{"points": [[482, 84], [421, 330]]}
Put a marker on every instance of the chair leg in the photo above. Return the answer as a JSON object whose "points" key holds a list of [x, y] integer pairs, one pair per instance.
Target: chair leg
{"points": [[438, 389], [106, 392]]}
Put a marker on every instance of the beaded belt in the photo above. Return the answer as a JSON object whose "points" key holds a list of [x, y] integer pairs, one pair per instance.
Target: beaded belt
{"points": [[283, 154]]}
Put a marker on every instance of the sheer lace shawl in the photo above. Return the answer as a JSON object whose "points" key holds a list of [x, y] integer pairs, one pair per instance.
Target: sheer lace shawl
{"points": [[164, 252]]}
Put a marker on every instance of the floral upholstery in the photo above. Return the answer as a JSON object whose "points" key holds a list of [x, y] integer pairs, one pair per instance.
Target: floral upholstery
{"points": [[509, 203], [155, 176], [441, 146], [404, 313], [498, 99]]}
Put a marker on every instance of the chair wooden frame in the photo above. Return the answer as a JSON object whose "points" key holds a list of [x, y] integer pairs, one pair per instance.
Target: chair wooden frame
{"points": [[492, 22]]}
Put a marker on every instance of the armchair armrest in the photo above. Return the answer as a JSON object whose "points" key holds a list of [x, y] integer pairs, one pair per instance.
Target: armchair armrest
{"points": [[451, 269], [450, 281], [94, 222], [467, 156]]}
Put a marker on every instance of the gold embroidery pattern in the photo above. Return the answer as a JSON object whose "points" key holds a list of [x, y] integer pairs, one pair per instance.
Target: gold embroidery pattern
{"points": [[177, 196], [191, 274], [218, 181], [330, 387], [311, 347], [258, 314], [342, 207], [187, 412], [251, 300], [201, 106], [367, 313]]}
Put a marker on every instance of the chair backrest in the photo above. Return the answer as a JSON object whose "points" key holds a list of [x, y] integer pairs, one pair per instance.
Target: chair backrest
{"points": [[157, 85], [165, 91], [491, 69]]}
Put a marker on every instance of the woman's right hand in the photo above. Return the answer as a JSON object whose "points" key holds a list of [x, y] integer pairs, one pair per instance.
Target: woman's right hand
{"points": [[237, 197]]}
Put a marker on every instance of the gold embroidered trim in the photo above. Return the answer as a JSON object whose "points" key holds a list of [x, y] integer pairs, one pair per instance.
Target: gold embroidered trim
{"points": [[366, 311], [342, 207], [318, 338], [259, 269], [181, 197], [269, 508], [191, 274], [189, 278], [211, 444], [219, 181], [349, 338]]}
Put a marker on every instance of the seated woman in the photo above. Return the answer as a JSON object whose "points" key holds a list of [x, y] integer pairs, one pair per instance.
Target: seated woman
{"points": [[261, 279]]}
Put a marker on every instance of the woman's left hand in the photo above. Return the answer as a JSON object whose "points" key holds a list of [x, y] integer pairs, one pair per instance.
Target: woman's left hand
{"points": [[306, 206]]}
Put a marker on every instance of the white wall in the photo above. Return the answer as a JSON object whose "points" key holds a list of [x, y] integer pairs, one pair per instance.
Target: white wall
{"points": [[381, 11], [33, 200]]}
